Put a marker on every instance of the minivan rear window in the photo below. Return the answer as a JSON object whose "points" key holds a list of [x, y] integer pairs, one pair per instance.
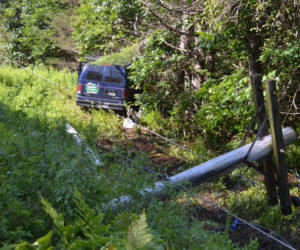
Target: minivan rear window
{"points": [[94, 76], [113, 75]]}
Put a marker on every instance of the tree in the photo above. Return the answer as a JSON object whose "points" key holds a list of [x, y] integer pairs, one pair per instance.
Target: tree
{"points": [[33, 31], [107, 26], [268, 31], [27, 23]]}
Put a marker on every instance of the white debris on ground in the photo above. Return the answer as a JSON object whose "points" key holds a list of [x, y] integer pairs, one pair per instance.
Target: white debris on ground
{"points": [[128, 123]]}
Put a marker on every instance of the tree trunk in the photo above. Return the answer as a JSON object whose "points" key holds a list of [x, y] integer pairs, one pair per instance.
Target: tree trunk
{"points": [[196, 78], [254, 49], [184, 44]]}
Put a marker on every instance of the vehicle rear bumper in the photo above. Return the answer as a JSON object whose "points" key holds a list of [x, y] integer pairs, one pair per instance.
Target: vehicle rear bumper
{"points": [[80, 101]]}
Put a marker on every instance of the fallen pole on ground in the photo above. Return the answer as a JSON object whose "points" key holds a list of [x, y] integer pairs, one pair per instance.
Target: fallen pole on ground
{"points": [[214, 167], [70, 130]]}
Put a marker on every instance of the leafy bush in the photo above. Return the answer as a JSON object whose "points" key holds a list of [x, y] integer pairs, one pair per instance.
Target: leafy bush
{"points": [[28, 25], [226, 108]]}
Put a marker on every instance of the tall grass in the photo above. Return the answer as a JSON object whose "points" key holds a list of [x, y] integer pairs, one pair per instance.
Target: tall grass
{"points": [[53, 101]]}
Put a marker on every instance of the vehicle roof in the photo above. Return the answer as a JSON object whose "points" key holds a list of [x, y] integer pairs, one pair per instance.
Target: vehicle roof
{"points": [[94, 67], [101, 65]]}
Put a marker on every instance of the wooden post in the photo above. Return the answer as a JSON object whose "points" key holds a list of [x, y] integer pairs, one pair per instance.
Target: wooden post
{"points": [[269, 170], [278, 147]]}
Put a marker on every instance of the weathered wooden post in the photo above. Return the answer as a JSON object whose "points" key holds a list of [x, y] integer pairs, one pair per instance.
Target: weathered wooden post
{"points": [[278, 147], [269, 170]]}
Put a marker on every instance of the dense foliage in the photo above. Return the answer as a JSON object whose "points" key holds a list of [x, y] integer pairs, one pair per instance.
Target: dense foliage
{"points": [[34, 30], [183, 47], [190, 62], [186, 46]]}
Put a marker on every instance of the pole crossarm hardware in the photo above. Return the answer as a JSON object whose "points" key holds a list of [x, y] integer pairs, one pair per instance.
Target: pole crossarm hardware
{"points": [[79, 140]]}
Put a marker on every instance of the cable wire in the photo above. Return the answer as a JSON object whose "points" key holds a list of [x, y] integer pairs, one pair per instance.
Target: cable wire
{"points": [[284, 243], [32, 72], [168, 140], [251, 126], [175, 143], [38, 75], [287, 245]]}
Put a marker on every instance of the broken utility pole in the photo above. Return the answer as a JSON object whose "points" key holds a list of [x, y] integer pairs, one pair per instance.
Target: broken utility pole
{"points": [[212, 168]]}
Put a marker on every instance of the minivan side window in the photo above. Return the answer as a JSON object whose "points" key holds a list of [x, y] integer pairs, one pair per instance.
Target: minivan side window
{"points": [[94, 75], [113, 75]]}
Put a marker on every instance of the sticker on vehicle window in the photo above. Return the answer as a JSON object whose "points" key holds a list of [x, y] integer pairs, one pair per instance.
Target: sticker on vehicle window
{"points": [[91, 88]]}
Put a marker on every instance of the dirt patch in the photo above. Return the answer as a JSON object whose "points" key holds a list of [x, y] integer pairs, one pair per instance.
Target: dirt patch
{"points": [[104, 142], [154, 147], [143, 144]]}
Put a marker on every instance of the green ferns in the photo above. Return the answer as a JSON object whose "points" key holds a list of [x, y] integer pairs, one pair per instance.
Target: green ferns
{"points": [[90, 232]]}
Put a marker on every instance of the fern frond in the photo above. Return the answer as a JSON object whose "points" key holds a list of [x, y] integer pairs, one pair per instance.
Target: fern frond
{"points": [[43, 242], [89, 222], [84, 215], [59, 222], [138, 234], [58, 219]]}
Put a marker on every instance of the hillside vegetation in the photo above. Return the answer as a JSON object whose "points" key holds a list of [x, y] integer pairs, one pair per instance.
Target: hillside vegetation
{"points": [[44, 171], [189, 62], [182, 53]]}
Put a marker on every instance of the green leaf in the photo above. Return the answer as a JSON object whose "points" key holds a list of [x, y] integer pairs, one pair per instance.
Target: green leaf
{"points": [[24, 246], [43, 242]]}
